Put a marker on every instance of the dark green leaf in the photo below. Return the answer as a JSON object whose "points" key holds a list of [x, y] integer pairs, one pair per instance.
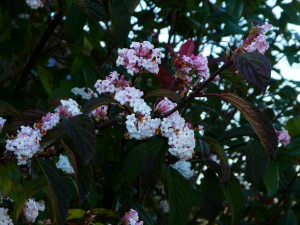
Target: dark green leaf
{"points": [[254, 67], [234, 196], [256, 162], [8, 110], [95, 9], [46, 77], [75, 20], [58, 193], [293, 126], [81, 130], [94, 103], [289, 218], [271, 178], [178, 192]]}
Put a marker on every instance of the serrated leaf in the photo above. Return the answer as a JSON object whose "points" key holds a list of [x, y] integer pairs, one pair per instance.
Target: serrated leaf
{"points": [[271, 178], [254, 67], [46, 78], [81, 130], [218, 150], [234, 196], [94, 103], [187, 48], [58, 193], [178, 191], [172, 95], [256, 162], [259, 122], [9, 110], [20, 194]]}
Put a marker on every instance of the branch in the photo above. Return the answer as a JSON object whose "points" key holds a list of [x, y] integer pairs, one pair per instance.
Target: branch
{"points": [[37, 51]]}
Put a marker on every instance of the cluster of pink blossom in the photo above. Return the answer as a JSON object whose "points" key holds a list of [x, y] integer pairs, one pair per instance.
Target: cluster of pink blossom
{"points": [[34, 4], [100, 112], [131, 218], [4, 217], [111, 83], [192, 65], [139, 58], [181, 138], [283, 137], [49, 121], [256, 41], [68, 108], [25, 145], [32, 208], [64, 164], [2, 122], [85, 93], [184, 168]]}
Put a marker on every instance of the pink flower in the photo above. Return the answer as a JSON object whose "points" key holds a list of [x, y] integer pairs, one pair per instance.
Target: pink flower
{"points": [[131, 218], [49, 121], [164, 106], [283, 137], [100, 112], [265, 28], [259, 44]]}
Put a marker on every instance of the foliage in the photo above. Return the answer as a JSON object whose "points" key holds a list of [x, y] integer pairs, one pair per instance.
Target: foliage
{"points": [[241, 174]]}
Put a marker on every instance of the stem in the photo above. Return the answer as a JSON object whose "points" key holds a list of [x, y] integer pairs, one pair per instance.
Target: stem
{"points": [[198, 89]]}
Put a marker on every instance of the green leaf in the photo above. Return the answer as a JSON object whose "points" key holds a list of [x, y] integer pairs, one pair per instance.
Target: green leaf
{"points": [[95, 9], [218, 150], [212, 200], [271, 178], [178, 191], [289, 218], [75, 214], [120, 12], [5, 182], [254, 67], [256, 162], [244, 130], [20, 194], [89, 77], [81, 130], [103, 213], [172, 95], [75, 20], [8, 110], [234, 196], [58, 193], [293, 126], [46, 78], [94, 103], [259, 122]]}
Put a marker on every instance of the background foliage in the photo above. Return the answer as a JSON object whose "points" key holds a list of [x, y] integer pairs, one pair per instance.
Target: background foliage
{"points": [[46, 52]]}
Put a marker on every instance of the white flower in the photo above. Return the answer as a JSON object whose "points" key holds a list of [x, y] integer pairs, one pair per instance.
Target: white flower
{"points": [[68, 108], [32, 208], [25, 145], [184, 168], [100, 112], [49, 121], [64, 164], [2, 122], [85, 93], [164, 205], [34, 4], [4, 217]]}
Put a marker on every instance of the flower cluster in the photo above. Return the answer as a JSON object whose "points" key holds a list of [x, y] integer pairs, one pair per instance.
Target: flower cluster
{"points": [[184, 168], [25, 145], [4, 217], [2, 122], [49, 121], [111, 83], [192, 65], [131, 218], [68, 108], [283, 137], [256, 41], [64, 164], [140, 57], [34, 4], [181, 138], [100, 112], [85, 93], [32, 208]]}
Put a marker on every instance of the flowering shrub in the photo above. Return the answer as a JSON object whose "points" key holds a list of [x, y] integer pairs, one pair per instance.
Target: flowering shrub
{"points": [[150, 134]]}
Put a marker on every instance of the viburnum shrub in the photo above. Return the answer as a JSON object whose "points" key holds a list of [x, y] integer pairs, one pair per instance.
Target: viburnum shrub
{"points": [[123, 151]]}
